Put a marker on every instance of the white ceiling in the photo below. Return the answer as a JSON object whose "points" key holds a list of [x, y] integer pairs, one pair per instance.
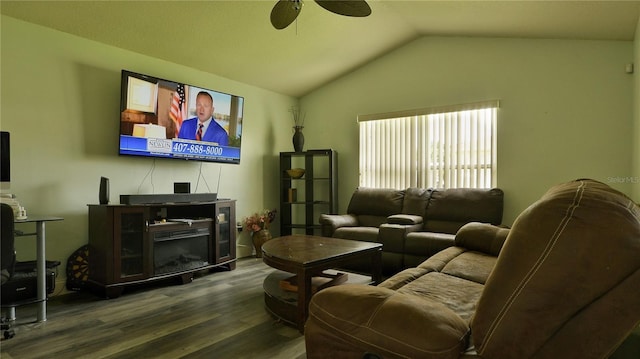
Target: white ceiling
{"points": [[235, 39]]}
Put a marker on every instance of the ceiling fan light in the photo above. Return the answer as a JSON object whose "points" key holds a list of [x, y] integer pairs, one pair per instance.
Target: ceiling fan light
{"points": [[296, 5]]}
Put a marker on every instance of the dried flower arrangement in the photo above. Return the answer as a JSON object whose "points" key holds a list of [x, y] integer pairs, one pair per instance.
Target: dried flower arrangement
{"points": [[260, 220], [298, 117]]}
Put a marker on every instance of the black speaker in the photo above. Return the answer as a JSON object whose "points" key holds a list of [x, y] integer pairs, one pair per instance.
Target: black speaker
{"points": [[103, 195], [181, 187]]}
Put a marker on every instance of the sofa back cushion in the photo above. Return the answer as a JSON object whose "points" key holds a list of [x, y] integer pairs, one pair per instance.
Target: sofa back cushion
{"points": [[415, 201], [449, 209], [566, 281], [376, 202]]}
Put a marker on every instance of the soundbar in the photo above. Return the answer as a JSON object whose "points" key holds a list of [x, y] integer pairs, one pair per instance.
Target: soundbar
{"points": [[167, 198]]}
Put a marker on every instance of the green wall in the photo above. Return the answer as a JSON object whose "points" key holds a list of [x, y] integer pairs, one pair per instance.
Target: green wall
{"points": [[60, 101], [566, 106]]}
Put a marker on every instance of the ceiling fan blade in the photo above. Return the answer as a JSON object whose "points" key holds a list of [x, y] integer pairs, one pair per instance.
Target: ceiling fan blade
{"points": [[356, 8], [285, 12]]}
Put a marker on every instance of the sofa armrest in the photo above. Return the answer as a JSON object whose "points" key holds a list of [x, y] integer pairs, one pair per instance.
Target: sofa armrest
{"points": [[482, 237], [406, 219], [331, 222], [347, 321], [393, 236]]}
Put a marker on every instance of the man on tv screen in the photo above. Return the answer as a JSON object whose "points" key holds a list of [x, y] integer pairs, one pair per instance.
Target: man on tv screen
{"points": [[204, 127]]}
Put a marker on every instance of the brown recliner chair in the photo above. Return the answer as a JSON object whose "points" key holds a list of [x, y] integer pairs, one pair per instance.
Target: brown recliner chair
{"points": [[566, 284]]}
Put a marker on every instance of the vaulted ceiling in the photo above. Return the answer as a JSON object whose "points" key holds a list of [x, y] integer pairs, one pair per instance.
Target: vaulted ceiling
{"points": [[235, 39]]}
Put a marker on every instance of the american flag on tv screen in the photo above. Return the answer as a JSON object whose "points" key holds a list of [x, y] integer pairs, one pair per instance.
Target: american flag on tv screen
{"points": [[178, 107]]}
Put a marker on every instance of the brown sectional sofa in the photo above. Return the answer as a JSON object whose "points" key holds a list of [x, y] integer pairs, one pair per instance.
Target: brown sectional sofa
{"points": [[562, 283], [412, 224]]}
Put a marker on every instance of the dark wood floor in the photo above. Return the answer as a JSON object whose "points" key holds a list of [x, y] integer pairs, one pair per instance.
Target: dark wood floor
{"points": [[218, 315]]}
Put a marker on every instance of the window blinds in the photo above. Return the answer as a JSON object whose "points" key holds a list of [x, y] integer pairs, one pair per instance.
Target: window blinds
{"points": [[444, 147]]}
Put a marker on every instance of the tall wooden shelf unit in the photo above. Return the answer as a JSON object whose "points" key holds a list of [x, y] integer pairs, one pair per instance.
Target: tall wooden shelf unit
{"points": [[302, 200]]}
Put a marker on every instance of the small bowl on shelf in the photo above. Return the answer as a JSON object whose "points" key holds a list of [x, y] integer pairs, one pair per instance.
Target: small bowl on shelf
{"points": [[296, 172]]}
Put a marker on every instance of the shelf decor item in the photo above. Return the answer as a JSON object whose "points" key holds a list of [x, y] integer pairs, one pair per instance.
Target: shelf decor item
{"points": [[259, 238], [298, 138], [298, 125], [258, 224], [296, 172]]}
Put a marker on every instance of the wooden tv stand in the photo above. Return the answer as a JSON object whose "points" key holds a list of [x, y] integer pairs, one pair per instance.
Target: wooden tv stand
{"points": [[134, 244]]}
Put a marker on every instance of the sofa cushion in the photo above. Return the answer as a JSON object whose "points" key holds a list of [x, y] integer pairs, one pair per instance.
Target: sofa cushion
{"points": [[426, 244], [368, 315], [472, 266], [366, 220], [450, 209], [439, 260], [454, 276], [367, 234], [376, 201], [482, 237], [457, 294], [403, 278], [415, 201]]}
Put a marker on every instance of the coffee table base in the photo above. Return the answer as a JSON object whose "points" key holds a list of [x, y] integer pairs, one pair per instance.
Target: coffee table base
{"points": [[283, 304]]}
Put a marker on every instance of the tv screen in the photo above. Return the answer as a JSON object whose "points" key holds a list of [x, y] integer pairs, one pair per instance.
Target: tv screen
{"points": [[5, 157], [168, 119]]}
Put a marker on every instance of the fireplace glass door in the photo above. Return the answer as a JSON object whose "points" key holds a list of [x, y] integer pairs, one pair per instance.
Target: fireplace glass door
{"points": [[181, 247]]}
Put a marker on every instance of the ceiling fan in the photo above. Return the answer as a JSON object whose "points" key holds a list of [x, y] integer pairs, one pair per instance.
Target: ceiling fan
{"points": [[285, 11]]}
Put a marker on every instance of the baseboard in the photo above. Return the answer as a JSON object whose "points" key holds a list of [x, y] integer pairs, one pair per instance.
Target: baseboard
{"points": [[61, 287]]}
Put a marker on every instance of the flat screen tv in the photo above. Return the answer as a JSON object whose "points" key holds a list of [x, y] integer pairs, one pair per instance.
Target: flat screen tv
{"points": [[168, 119]]}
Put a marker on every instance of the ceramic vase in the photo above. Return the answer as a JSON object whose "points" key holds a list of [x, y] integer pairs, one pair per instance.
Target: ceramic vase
{"points": [[298, 138], [259, 238]]}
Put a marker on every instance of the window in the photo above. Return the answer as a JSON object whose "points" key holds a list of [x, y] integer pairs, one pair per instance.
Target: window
{"points": [[446, 147]]}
